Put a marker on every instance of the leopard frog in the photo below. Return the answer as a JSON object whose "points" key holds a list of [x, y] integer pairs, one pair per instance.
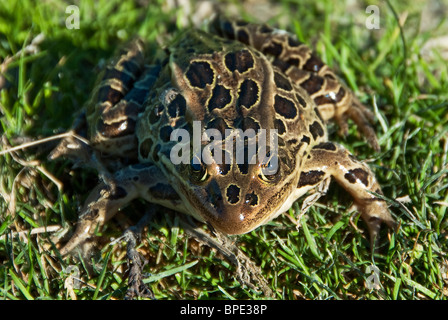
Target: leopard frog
{"points": [[236, 76]]}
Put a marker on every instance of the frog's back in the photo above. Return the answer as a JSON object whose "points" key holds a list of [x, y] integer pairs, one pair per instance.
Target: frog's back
{"points": [[225, 84]]}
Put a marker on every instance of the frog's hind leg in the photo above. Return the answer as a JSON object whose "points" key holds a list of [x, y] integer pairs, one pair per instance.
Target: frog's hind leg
{"points": [[117, 100], [332, 160], [296, 60], [110, 115]]}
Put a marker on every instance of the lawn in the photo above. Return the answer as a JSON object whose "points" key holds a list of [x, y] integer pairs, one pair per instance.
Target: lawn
{"points": [[399, 70]]}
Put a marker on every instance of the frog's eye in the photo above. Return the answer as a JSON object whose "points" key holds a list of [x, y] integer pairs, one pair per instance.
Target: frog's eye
{"points": [[198, 170], [269, 169]]}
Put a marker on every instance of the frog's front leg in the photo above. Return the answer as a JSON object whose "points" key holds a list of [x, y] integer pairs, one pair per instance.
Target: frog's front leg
{"points": [[136, 181], [332, 160]]}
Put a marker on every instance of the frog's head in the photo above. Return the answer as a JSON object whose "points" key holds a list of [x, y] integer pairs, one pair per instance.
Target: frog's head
{"points": [[236, 196], [213, 94]]}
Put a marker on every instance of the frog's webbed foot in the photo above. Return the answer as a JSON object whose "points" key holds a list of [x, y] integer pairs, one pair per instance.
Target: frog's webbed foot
{"points": [[352, 175]]}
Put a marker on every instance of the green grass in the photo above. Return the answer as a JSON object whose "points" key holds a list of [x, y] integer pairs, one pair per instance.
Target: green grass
{"points": [[326, 258]]}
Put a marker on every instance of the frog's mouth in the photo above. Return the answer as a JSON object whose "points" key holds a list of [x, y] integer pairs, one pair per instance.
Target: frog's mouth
{"points": [[210, 204]]}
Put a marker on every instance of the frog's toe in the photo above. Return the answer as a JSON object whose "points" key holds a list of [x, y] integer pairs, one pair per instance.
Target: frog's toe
{"points": [[374, 213]]}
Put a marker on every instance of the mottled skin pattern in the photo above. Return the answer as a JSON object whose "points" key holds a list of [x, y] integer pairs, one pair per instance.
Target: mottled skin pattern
{"points": [[243, 76]]}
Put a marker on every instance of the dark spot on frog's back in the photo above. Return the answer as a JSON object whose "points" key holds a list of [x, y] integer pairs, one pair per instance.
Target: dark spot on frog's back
{"points": [[200, 74], [177, 107], [340, 94], [282, 82], [313, 84], [323, 99], [265, 29], [316, 110], [248, 93], [241, 23], [281, 64], [293, 62], [250, 123], [285, 107], [357, 174], [301, 100], [313, 64], [326, 146], [156, 113], [274, 49], [243, 36], [145, 148], [165, 133], [280, 126], [316, 130], [240, 60], [233, 194], [225, 166], [218, 124], [243, 167], [227, 30], [306, 139], [293, 42], [310, 178], [220, 98]]}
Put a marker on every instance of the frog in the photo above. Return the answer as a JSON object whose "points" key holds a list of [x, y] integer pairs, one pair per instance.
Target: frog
{"points": [[234, 77]]}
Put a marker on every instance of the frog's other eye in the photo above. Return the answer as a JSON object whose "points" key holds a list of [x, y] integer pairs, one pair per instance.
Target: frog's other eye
{"points": [[270, 169], [198, 170]]}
